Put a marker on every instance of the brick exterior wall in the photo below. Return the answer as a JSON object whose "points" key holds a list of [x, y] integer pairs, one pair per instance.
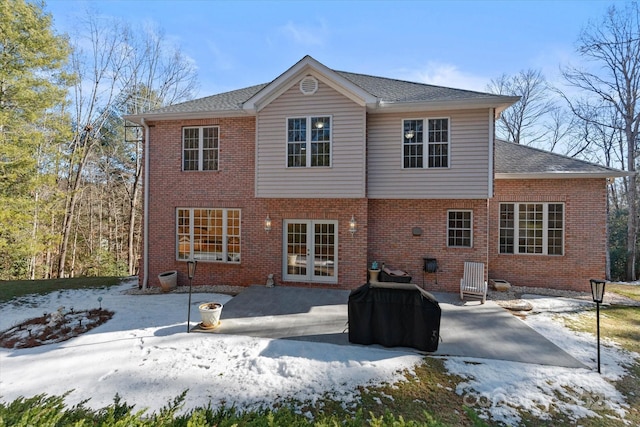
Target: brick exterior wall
{"points": [[232, 186], [384, 227], [585, 234], [392, 241]]}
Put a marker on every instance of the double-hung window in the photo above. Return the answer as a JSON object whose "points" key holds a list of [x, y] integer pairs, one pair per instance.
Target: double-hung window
{"points": [[200, 148], [460, 229], [425, 147], [532, 228], [309, 141], [208, 234]]}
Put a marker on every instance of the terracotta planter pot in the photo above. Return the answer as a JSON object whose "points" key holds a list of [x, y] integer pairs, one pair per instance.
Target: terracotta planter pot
{"points": [[210, 313], [168, 280]]}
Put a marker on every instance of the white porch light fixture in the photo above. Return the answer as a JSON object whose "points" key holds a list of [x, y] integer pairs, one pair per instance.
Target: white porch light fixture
{"points": [[267, 224], [352, 225]]}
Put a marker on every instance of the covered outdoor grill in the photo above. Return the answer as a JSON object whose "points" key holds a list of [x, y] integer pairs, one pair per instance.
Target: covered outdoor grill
{"points": [[394, 315]]}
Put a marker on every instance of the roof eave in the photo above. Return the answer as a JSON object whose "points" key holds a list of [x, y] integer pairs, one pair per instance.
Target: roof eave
{"points": [[458, 104], [191, 115], [564, 175]]}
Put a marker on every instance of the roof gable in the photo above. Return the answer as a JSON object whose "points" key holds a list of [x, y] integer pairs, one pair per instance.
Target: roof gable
{"points": [[305, 67]]}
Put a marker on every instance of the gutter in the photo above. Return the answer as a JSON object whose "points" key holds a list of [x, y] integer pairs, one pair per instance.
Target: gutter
{"points": [[145, 226], [565, 175]]}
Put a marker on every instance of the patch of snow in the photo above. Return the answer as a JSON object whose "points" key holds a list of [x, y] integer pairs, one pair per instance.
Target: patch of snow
{"points": [[502, 388], [145, 355]]}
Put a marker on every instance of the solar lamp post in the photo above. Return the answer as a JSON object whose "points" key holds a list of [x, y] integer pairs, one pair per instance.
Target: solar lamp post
{"points": [[191, 266], [597, 293]]}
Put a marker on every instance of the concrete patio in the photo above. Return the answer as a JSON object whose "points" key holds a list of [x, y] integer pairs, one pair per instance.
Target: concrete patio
{"points": [[468, 329]]}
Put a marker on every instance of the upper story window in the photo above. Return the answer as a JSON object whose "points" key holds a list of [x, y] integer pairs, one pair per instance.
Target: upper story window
{"points": [[309, 141], [200, 148], [532, 228], [430, 150]]}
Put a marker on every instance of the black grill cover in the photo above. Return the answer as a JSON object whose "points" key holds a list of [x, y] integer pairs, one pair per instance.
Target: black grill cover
{"points": [[394, 317]]}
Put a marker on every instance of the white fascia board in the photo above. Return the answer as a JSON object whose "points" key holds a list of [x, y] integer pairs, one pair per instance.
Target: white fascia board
{"points": [[458, 104], [564, 175], [137, 118], [308, 66]]}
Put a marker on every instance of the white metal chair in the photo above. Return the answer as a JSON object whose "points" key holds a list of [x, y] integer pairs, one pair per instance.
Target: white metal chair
{"points": [[472, 283]]}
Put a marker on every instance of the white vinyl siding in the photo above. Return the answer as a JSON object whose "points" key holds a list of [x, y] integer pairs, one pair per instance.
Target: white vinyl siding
{"points": [[466, 177], [344, 178]]}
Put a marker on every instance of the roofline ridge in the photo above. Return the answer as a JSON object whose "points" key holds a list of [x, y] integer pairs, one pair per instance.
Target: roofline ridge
{"points": [[425, 84]]}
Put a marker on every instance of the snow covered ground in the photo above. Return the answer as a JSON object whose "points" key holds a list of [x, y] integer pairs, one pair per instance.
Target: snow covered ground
{"points": [[145, 355]]}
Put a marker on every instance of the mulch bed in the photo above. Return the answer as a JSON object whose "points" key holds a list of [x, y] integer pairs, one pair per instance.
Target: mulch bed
{"points": [[55, 327]]}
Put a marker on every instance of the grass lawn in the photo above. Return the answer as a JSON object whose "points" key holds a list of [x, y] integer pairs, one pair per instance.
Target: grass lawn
{"points": [[628, 291], [620, 324], [16, 288]]}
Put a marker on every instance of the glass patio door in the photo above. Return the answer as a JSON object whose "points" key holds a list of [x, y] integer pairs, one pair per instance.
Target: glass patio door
{"points": [[310, 251]]}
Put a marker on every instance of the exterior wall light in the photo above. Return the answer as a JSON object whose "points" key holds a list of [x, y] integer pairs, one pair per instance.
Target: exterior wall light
{"points": [[267, 224], [352, 225]]}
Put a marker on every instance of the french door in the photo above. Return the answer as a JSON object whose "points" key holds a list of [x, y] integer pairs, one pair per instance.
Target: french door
{"points": [[310, 251]]}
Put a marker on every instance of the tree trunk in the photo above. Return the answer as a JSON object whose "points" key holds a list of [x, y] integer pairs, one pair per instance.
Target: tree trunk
{"points": [[69, 214], [632, 220]]}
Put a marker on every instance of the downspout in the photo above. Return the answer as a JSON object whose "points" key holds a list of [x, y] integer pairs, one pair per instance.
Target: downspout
{"points": [[492, 124], [145, 226]]}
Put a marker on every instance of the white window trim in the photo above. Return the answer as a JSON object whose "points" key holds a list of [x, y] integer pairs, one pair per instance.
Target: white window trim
{"points": [[545, 228], [200, 148], [308, 142], [310, 277], [425, 142], [225, 236], [470, 230]]}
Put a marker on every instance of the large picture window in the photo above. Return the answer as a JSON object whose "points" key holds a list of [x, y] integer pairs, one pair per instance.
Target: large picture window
{"points": [[208, 234], [309, 142], [532, 228], [200, 146], [431, 151]]}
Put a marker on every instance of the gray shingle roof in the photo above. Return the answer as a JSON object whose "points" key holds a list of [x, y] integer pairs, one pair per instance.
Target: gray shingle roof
{"points": [[516, 159], [392, 90], [227, 101], [385, 89]]}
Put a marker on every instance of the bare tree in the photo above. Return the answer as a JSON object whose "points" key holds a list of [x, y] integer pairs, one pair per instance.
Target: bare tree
{"points": [[120, 71], [612, 47], [99, 72], [158, 79], [521, 123]]}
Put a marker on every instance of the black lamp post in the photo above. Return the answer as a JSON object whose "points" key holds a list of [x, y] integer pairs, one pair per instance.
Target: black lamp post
{"points": [[192, 272], [597, 293]]}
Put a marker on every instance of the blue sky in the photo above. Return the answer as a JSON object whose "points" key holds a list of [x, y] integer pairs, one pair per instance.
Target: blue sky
{"points": [[454, 43]]}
